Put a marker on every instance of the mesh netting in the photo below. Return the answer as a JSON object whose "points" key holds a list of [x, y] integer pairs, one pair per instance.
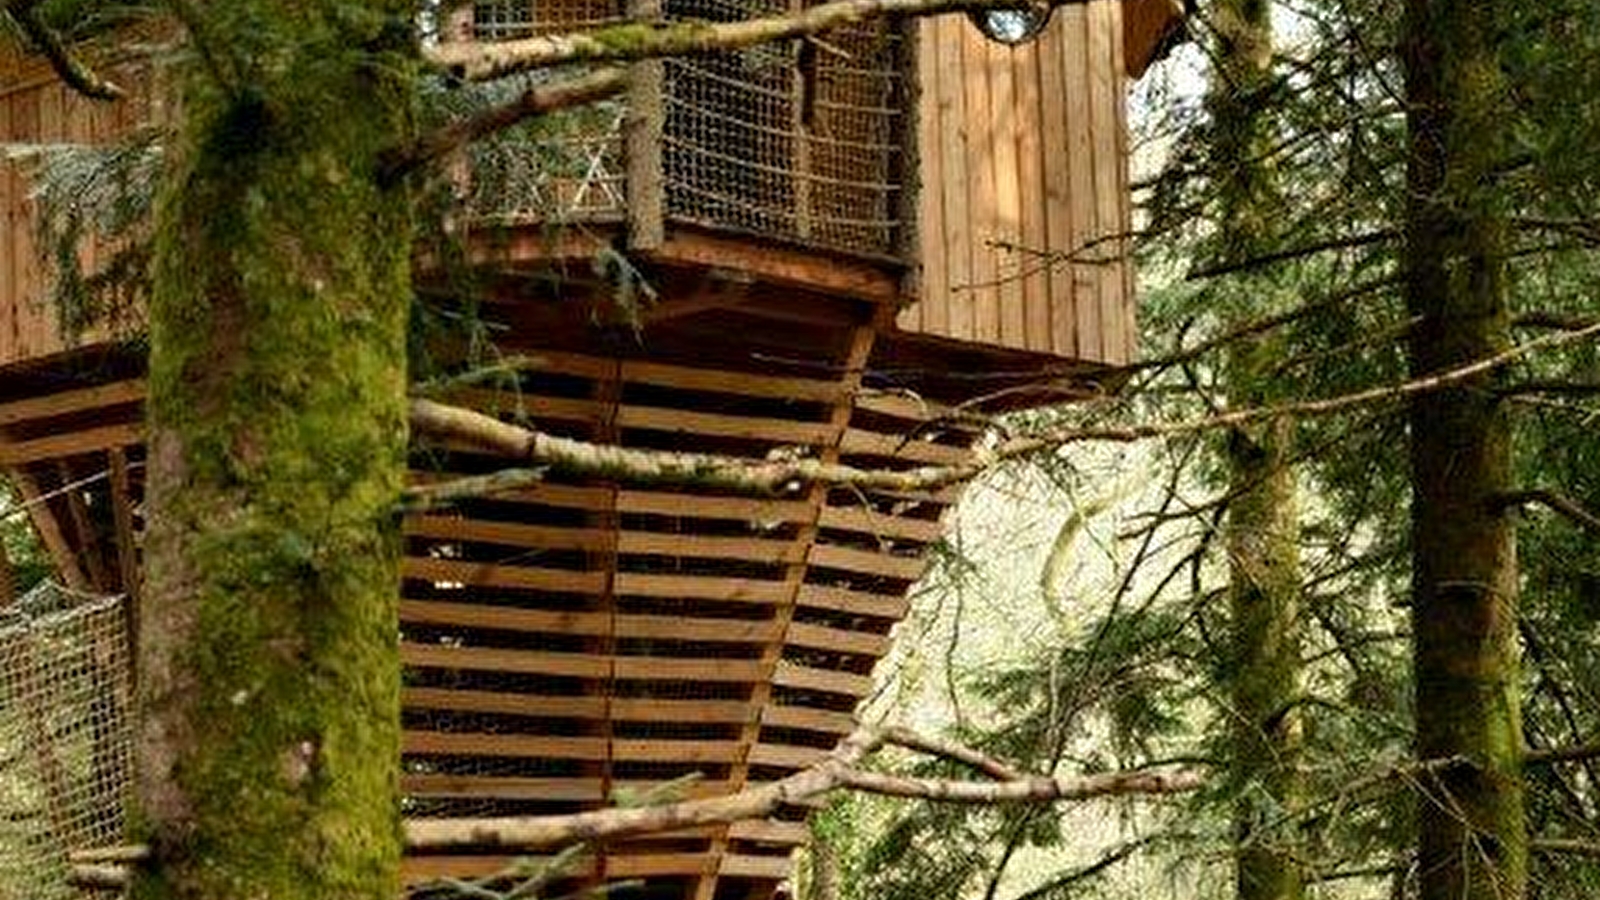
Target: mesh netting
{"points": [[65, 739]]}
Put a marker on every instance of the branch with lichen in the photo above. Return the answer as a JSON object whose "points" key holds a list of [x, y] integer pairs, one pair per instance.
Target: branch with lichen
{"points": [[646, 40], [73, 71]]}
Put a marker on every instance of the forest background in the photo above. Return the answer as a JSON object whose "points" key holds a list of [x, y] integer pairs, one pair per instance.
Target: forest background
{"points": [[1357, 580]]}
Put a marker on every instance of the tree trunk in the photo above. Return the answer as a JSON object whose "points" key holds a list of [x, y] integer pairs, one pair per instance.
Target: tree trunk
{"points": [[1263, 522], [1473, 842], [269, 703]]}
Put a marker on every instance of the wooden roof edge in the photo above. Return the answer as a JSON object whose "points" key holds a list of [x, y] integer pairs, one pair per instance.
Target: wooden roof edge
{"points": [[1150, 29]]}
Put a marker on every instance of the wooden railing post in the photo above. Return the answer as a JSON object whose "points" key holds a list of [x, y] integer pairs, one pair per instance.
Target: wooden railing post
{"points": [[645, 125]]}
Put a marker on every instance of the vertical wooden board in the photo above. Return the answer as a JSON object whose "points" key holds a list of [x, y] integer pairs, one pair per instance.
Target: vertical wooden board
{"points": [[1057, 175], [1080, 138], [982, 138], [957, 306], [930, 184], [1031, 174], [8, 265], [1129, 307], [1106, 124], [1007, 193], [30, 123]]}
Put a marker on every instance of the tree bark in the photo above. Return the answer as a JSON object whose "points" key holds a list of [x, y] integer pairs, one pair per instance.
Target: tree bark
{"points": [[1473, 842], [269, 699], [1263, 527]]}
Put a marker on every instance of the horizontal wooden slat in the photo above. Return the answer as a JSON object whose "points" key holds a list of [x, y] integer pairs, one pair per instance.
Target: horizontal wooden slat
{"points": [[743, 384], [509, 618], [59, 404], [490, 575], [703, 547], [678, 421], [691, 506], [861, 603], [739, 865], [503, 788], [785, 756], [588, 707], [72, 443], [865, 521], [415, 870], [769, 831], [489, 659], [804, 634], [806, 678], [743, 590], [514, 534], [809, 719], [915, 409], [514, 745], [676, 751], [655, 668], [867, 562], [870, 443]]}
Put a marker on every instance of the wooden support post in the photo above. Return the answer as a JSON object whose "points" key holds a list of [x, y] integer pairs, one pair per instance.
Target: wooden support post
{"points": [[646, 124], [88, 539], [49, 529]]}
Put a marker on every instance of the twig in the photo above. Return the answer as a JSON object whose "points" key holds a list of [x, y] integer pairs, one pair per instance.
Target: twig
{"points": [[838, 770], [1551, 500], [1565, 845], [72, 70], [641, 41], [535, 101]]}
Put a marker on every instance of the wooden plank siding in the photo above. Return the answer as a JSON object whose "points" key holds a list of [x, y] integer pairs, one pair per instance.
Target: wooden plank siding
{"points": [[35, 108], [1024, 202]]}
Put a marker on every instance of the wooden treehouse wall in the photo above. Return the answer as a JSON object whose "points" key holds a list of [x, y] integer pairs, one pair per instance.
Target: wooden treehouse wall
{"points": [[36, 108], [1024, 199]]}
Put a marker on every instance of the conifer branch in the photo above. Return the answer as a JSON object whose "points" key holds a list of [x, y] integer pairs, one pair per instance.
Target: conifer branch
{"points": [[73, 71]]}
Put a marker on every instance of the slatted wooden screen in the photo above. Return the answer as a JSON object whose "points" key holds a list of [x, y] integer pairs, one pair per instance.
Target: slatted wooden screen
{"points": [[576, 641]]}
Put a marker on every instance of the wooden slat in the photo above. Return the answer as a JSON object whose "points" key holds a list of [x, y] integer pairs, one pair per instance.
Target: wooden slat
{"points": [[804, 677], [743, 384], [491, 659], [655, 668], [677, 421], [977, 55], [514, 534], [1105, 101], [738, 865], [808, 719], [822, 638], [742, 590], [76, 443], [1008, 196], [861, 603], [696, 546], [953, 142], [62, 403], [868, 562], [1080, 151], [416, 870], [1054, 51], [567, 790], [513, 745], [676, 751], [768, 831], [503, 702], [650, 709], [1031, 178], [870, 443], [865, 521], [785, 756], [490, 575], [507, 618], [690, 506]]}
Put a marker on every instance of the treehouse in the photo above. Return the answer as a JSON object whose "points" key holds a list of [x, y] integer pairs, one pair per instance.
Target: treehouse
{"points": [[813, 250]]}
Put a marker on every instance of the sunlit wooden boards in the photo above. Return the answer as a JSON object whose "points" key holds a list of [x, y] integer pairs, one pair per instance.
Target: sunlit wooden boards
{"points": [[579, 642], [36, 109], [1024, 207]]}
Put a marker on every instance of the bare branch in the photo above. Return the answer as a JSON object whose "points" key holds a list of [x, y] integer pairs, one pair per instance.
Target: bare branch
{"points": [[838, 770], [639, 41], [535, 101], [1563, 505], [1561, 754], [72, 70], [921, 743], [1565, 845]]}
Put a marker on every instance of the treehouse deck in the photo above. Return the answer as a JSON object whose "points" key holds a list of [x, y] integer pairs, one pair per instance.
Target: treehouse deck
{"points": [[579, 640]]}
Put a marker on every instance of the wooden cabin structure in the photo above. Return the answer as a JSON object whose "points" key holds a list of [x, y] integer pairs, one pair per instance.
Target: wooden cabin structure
{"points": [[844, 239]]}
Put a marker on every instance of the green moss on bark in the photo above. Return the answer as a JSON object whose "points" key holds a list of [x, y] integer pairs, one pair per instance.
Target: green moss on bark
{"points": [[1473, 840], [270, 697]]}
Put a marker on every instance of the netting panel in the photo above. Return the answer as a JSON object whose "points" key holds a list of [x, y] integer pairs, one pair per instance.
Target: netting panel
{"points": [[65, 736], [801, 141]]}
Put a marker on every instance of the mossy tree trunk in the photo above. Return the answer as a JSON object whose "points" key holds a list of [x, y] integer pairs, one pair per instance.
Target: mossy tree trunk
{"points": [[1263, 518], [268, 743], [1473, 843]]}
